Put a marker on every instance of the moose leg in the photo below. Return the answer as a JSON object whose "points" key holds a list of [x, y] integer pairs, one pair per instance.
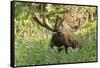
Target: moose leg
{"points": [[66, 49], [59, 49], [80, 47], [51, 45]]}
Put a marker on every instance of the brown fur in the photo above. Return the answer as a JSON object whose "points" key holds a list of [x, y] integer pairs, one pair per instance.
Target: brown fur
{"points": [[65, 39]]}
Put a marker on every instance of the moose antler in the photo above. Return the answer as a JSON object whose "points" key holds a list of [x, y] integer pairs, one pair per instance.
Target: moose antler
{"points": [[59, 21], [42, 21], [74, 22]]}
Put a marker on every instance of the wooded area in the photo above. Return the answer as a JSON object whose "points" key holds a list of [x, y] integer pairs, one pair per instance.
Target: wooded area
{"points": [[32, 40]]}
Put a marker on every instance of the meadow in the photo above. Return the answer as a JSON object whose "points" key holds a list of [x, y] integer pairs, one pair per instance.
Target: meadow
{"points": [[39, 52]]}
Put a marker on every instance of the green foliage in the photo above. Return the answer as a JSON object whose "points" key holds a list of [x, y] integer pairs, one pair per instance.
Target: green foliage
{"points": [[32, 41], [38, 53]]}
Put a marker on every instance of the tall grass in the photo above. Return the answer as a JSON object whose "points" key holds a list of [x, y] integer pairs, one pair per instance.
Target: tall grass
{"points": [[39, 52]]}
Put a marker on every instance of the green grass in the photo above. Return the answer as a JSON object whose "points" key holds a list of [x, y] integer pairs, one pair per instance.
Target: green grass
{"points": [[39, 52]]}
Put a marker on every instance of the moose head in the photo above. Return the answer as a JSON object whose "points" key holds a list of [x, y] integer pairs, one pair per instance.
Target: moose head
{"points": [[60, 38]]}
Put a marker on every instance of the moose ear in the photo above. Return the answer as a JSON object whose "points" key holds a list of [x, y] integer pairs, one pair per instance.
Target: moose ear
{"points": [[62, 25], [60, 21]]}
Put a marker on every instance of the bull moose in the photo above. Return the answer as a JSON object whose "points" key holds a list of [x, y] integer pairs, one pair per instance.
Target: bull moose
{"points": [[60, 37]]}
